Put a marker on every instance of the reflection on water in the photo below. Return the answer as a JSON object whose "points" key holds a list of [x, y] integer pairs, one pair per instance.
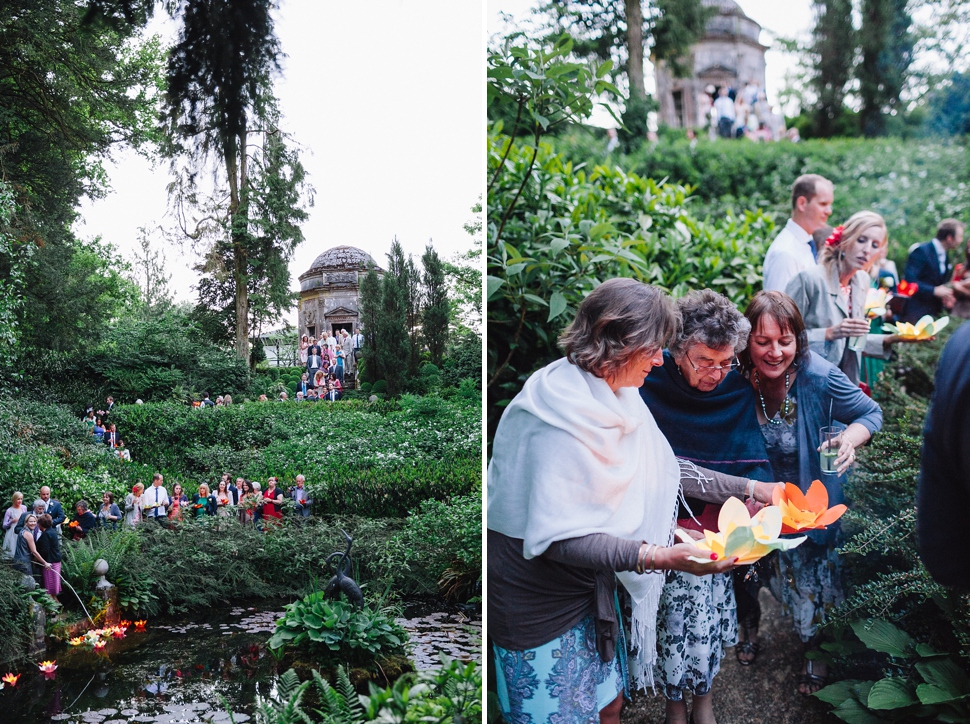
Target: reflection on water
{"points": [[181, 670]]}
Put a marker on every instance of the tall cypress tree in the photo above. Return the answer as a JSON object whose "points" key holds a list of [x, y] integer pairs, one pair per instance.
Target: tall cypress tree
{"points": [[834, 45], [370, 312], [392, 332], [887, 51], [434, 317], [411, 283]]}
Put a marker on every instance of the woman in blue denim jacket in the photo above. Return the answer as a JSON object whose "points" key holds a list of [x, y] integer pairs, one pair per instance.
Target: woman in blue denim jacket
{"points": [[797, 392]]}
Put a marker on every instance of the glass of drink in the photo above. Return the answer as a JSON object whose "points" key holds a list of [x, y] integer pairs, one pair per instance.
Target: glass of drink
{"points": [[858, 344], [830, 438]]}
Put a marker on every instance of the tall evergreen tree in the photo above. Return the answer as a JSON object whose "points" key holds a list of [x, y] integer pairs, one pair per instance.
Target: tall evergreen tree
{"points": [[392, 333], [834, 46], [370, 313], [434, 317], [886, 42], [219, 84], [411, 283]]}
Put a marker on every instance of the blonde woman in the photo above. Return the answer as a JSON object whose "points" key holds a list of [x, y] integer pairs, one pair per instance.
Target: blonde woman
{"points": [[203, 502], [832, 295], [10, 519], [134, 511]]}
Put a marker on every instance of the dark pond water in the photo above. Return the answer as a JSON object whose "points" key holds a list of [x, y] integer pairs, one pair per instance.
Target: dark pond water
{"points": [[180, 670]]}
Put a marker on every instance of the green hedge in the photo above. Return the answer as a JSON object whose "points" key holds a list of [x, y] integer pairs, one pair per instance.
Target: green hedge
{"points": [[912, 183], [373, 459]]}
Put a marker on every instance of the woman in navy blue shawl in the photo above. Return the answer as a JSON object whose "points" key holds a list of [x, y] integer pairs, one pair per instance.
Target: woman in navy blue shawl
{"points": [[716, 429]]}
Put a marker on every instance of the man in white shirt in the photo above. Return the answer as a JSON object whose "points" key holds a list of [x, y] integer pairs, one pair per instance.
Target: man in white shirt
{"points": [[793, 250], [155, 500], [724, 110]]}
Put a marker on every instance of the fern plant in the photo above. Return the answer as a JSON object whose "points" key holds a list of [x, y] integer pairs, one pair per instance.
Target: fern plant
{"points": [[288, 709]]}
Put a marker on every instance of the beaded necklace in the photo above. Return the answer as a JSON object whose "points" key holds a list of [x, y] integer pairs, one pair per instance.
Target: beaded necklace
{"points": [[787, 408]]}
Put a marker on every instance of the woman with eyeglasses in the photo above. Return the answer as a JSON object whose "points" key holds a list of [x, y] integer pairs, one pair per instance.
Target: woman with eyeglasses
{"points": [[705, 409], [582, 491], [797, 393]]}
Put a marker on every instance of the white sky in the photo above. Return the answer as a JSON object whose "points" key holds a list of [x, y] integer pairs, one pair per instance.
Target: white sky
{"points": [[786, 18], [387, 101]]}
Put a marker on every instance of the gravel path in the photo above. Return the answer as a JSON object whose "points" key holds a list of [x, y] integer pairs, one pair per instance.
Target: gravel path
{"points": [[763, 693]]}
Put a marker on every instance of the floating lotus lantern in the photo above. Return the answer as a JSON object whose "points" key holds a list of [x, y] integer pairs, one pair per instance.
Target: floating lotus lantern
{"points": [[805, 511], [140, 625], [10, 679], [47, 668], [100, 644], [876, 302], [741, 535], [125, 624], [923, 329], [78, 641]]}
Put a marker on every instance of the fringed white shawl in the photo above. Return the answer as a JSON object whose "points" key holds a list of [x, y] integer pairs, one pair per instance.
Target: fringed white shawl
{"points": [[571, 458]]}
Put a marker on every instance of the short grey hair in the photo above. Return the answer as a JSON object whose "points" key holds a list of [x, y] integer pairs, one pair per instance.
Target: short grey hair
{"points": [[710, 319], [619, 319], [39, 504]]}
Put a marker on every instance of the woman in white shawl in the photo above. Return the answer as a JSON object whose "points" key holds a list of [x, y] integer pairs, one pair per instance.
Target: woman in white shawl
{"points": [[582, 484]]}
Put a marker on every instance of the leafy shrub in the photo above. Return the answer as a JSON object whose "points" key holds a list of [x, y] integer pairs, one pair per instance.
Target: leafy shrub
{"points": [[913, 184], [337, 631], [440, 542], [379, 387], [15, 617], [926, 685], [574, 227], [449, 695]]}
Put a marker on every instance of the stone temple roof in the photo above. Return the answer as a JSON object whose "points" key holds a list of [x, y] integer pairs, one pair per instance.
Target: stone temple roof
{"points": [[342, 258]]}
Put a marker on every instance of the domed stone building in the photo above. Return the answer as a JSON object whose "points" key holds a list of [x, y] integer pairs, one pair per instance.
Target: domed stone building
{"points": [[730, 53], [330, 290]]}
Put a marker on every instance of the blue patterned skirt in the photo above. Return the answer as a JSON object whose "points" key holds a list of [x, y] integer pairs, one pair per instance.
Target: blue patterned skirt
{"points": [[808, 584], [561, 682], [696, 620]]}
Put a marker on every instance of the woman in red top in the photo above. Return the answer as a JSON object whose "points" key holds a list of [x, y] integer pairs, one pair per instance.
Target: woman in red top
{"points": [[273, 501]]}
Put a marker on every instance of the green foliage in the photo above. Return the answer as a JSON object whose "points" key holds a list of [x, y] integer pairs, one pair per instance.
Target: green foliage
{"points": [[575, 227], [370, 311], [391, 338], [332, 631], [441, 541], [834, 46], [15, 616], [928, 685], [434, 318], [450, 694], [912, 184], [886, 44]]}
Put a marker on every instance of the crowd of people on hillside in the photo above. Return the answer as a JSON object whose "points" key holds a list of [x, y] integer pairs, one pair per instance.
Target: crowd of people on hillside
{"points": [[104, 431], [662, 411], [32, 535], [744, 113], [327, 361]]}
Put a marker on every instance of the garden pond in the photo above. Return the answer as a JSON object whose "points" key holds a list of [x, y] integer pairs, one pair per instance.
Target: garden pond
{"points": [[199, 668]]}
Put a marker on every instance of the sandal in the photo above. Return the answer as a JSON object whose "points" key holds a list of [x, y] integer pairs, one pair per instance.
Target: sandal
{"points": [[811, 681], [748, 648]]}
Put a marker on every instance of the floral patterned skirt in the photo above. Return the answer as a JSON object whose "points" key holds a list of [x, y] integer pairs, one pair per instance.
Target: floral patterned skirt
{"points": [[696, 620], [808, 583], [561, 682]]}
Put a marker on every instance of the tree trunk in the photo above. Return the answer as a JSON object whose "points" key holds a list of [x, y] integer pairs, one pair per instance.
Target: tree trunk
{"points": [[634, 46], [241, 255]]}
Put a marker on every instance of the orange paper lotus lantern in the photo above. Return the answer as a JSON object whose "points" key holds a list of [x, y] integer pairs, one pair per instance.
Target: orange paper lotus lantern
{"points": [[805, 511], [140, 625], [10, 679]]}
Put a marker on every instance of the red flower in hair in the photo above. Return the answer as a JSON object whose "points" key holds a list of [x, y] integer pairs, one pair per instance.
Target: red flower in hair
{"points": [[835, 238], [906, 289]]}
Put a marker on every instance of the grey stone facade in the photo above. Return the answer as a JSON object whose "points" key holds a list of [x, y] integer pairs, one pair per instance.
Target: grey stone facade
{"points": [[730, 53], [330, 290]]}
